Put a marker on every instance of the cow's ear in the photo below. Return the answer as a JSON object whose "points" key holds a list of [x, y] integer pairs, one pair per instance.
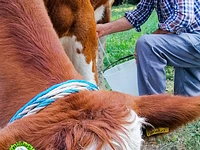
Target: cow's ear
{"points": [[167, 111]]}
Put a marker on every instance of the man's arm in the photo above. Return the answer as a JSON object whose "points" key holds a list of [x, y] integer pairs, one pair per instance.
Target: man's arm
{"points": [[132, 19], [119, 25]]}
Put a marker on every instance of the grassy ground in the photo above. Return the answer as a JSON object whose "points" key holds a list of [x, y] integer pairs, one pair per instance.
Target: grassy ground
{"points": [[122, 44]]}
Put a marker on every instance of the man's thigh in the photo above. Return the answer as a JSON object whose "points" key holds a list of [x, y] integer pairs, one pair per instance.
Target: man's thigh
{"points": [[179, 50]]}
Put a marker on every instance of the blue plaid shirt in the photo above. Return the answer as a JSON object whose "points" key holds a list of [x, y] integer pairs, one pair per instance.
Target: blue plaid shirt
{"points": [[176, 16]]}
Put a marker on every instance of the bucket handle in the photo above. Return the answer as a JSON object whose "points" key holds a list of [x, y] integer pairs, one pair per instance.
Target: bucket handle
{"points": [[120, 59]]}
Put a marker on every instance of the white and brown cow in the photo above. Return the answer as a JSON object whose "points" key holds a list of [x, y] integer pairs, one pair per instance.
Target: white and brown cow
{"points": [[34, 66], [76, 30]]}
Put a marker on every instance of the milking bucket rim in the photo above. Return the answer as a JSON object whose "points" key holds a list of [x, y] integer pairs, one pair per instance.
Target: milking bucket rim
{"points": [[120, 59]]}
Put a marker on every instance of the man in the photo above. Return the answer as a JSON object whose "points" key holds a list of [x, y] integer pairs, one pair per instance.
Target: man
{"points": [[176, 42]]}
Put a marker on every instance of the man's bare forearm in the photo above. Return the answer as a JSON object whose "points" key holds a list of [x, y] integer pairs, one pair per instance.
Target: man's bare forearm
{"points": [[119, 25]]}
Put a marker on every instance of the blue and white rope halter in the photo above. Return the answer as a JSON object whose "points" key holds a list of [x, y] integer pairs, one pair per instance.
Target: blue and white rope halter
{"points": [[50, 95]]}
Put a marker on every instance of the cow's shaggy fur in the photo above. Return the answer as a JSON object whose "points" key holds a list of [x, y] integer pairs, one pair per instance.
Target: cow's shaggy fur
{"points": [[32, 60]]}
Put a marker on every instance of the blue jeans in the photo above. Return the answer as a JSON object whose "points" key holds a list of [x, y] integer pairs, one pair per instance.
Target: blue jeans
{"points": [[156, 51]]}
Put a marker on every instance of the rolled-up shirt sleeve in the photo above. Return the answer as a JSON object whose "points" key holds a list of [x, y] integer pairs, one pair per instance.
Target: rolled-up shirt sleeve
{"points": [[181, 18], [138, 16]]}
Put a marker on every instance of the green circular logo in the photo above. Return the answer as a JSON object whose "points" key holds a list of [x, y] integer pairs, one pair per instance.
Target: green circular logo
{"points": [[21, 146]]}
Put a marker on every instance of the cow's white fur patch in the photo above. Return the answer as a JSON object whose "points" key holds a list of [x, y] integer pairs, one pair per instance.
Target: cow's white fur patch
{"points": [[70, 45], [98, 13], [131, 137]]}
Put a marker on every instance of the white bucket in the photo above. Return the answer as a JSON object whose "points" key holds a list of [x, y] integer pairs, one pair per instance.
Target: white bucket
{"points": [[123, 77]]}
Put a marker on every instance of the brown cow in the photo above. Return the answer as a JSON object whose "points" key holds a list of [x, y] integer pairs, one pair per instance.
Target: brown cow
{"points": [[72, 28], [32, 60], [77, 37]]}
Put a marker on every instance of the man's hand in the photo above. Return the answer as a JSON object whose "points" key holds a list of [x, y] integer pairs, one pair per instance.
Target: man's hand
{"points": [[119, 25], [100, 30], [159, 31]]}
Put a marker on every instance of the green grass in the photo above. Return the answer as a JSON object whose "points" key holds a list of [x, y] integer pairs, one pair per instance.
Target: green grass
{"points": [[123, 44], [186, 138]]}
